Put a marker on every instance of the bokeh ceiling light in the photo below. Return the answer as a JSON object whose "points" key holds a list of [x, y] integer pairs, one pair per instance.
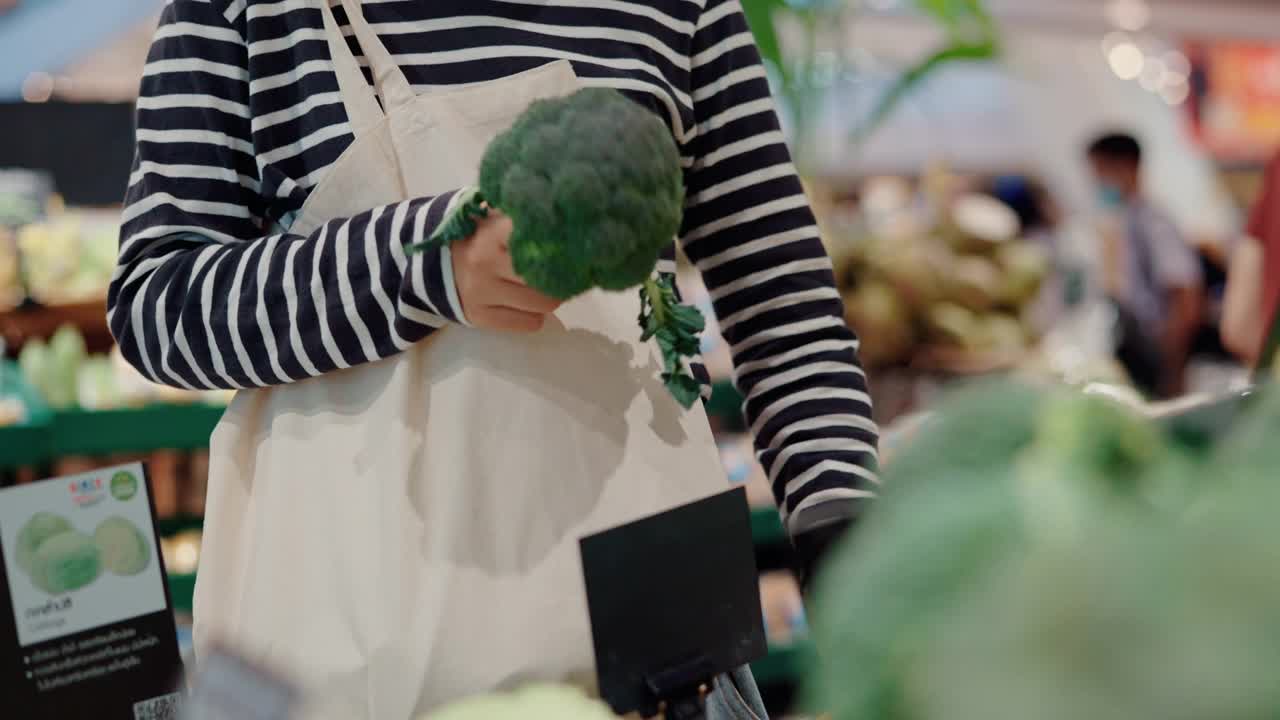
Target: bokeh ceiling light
{"points": [[1153, 74], [1126, 60], [1112, 39], [1131, 15], [1177, 64], [1176, 91]]}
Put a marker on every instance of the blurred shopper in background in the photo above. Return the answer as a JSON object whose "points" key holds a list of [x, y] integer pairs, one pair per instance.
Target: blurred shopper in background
{"points": [[1155, 277], [1253, 282], [1042, 223], [1037, 212]]}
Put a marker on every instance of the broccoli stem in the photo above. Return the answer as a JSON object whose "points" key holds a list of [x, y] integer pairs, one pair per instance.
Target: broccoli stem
{"points": [[652, 290], [460, 224]]}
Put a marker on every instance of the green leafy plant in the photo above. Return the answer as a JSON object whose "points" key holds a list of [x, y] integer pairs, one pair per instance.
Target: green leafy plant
{"points": [[593, 185], [969, 34]]}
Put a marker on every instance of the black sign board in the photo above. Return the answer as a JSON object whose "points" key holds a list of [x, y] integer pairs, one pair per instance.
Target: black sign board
{"points": [[86, 625], [674, 601]]}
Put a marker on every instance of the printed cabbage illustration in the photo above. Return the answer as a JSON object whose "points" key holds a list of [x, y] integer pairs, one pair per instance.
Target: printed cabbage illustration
{"points": [[67, 561], [124, 549], [39, 528]]}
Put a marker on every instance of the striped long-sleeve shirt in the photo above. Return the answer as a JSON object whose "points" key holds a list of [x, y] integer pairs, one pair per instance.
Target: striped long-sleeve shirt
{"points": [[239, 117]]}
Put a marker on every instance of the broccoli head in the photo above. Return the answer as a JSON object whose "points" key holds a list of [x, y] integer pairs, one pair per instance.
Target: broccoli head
{"points": [[593, 186]]}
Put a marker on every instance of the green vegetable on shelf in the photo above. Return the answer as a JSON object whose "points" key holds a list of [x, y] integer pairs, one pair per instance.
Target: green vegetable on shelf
{"points": [[883, 322], [974, 283], [33, 361], [952, 324], [31, 536], [53, 368], [125, 550], [1024, 267], [593, 185], [96, 385], [65, 562]]}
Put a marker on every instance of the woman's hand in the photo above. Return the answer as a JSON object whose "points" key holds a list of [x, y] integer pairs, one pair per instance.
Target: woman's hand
{"points": [[493, 296]]}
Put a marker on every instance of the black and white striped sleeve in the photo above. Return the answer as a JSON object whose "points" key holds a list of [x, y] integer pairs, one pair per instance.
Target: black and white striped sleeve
{"points": [[751, 233], [202, 296]]}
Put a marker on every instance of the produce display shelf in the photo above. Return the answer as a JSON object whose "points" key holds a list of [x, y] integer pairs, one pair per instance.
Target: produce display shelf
{"points": [[23, 445], [182, 589], [725, 405], [133, 430], [175, 524], [766, 528], [70, 433], [18, 325], [784, 665]]}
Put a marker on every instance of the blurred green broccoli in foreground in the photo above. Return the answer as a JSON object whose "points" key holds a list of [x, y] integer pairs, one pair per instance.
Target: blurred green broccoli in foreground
{"points": [[1037, 553]]}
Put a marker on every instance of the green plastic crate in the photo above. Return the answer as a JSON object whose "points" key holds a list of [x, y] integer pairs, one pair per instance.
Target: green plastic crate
{"points": [[27, 444], [784, 665], [133, 430]]}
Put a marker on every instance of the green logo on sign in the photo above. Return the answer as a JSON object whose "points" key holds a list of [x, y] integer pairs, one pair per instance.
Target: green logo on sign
{"points": [[124, 485]]}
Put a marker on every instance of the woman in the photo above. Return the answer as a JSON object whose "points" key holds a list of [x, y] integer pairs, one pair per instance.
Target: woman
{"points": [[396, 497]]}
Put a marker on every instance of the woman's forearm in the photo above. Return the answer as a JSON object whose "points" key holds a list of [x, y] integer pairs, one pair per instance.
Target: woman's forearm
{"points": [[188, 310]]}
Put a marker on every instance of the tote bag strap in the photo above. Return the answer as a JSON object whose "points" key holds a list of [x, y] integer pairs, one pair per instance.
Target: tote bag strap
{"points": [[388, 79], [363, 111]]}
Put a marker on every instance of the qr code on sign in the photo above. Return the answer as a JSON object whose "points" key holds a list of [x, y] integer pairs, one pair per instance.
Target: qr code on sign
{"points": [[164, 707]]}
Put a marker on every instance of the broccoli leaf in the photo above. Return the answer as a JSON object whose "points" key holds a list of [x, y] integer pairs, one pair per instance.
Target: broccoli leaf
{"points": [[689, 319], [683, 387], [675, 327]]}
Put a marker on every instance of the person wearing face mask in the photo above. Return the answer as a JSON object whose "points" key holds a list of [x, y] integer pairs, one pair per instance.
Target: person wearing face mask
{"points": [[1157, 278]]}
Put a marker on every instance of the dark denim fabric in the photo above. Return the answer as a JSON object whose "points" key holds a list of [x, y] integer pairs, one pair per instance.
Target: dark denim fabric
{"points": [[736, 697]]}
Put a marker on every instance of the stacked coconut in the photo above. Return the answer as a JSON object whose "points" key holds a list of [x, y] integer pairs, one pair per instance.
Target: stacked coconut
{"points": [[959, 286]]}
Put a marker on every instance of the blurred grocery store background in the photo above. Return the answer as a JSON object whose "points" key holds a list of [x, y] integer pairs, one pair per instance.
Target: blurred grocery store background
{"points": [[943, 145]]}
